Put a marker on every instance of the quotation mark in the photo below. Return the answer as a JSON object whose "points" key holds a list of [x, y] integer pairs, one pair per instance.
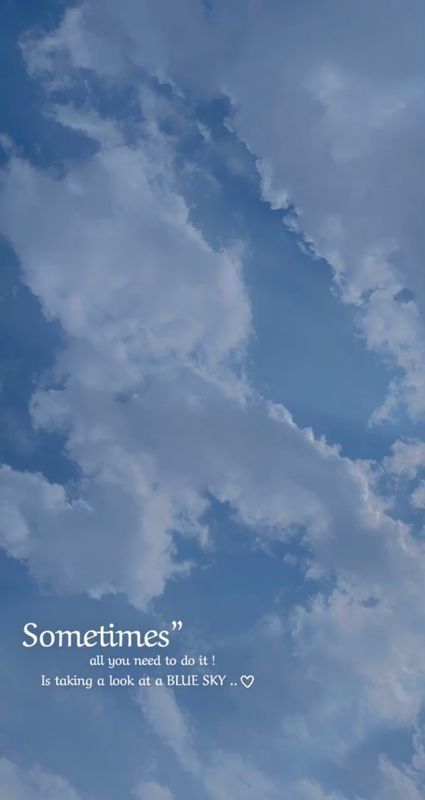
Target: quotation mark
{"points": [[176, 626]]}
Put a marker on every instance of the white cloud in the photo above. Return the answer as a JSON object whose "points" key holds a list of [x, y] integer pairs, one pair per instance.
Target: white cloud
{"points": [[333, 116], [35, 784], [307, 790], [372, 655], [222, 775], [151, 399], [340, 135], [417, 497], [170, 723], [399, 783], [393, 783], [125, 271], [141, 298], [407, 458], [225, 775], [151, 395], [149, 388], [406, 464], [151, 790]]}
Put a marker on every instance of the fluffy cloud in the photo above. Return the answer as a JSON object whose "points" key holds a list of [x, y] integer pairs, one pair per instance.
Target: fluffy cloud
{"points": [[149, 389], [18, 784], [126, 272], [334, 118], [406, 459], [151, 790], [406, 465], [150, 396], [222, 775], [139, 295], [372, 654], [307, 790], [399, 783]]}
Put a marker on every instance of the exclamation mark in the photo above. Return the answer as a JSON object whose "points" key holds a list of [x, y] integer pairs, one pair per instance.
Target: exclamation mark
{"points": [[213, 660]]}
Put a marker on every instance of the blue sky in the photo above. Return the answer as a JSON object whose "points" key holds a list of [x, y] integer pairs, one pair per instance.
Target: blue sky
{"points": [[212, 393]]}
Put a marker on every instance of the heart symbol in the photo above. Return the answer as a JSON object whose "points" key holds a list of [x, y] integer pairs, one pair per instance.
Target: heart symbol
{"points": [[247, 681]]}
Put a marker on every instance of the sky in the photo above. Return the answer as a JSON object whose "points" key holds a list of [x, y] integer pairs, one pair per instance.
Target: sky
{"points": [[213, 394]]}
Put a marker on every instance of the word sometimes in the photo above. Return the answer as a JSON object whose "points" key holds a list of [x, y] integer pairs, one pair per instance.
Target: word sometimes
{"points": [[104, 636]]}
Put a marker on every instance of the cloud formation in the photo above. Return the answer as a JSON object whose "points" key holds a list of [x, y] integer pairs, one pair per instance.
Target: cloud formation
{"points": [[336, 135], [224, 774], [35, 784], [150, 390], [221, 774], [150, 394]]}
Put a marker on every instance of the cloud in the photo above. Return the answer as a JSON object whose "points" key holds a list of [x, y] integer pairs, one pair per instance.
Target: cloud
{"points": [[399, 783], [222, 775], [125, 267], [418, 496], [405, 465], [406, 459], [171, 725], [307, 790], [35, 784], [336, 135], [348, 671], [151, 790], [149, 389], [393, 784], [139, 294], [150, 395], [225, 774], [372, 654]]}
